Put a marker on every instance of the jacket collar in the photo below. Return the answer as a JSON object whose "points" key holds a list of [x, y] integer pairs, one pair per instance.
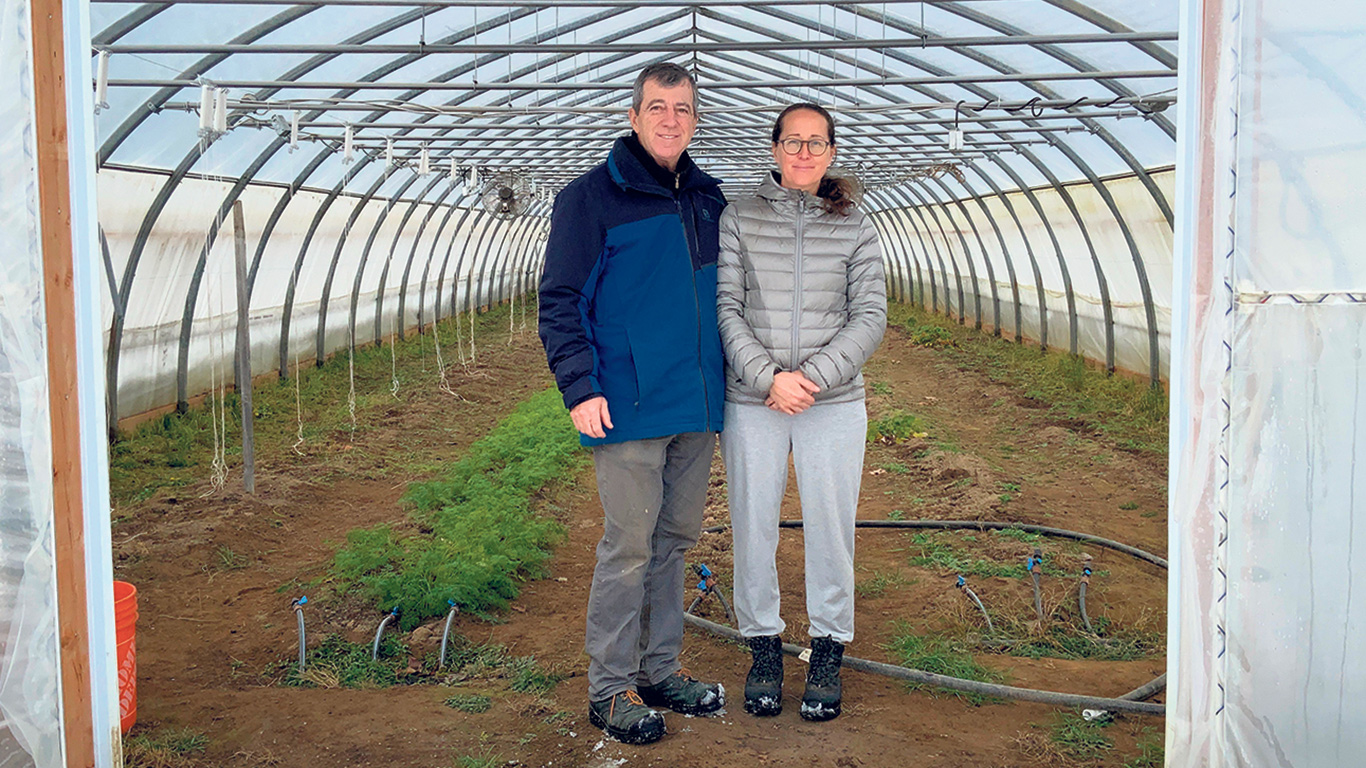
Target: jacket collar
{"points": [[770, 190], [628, 170]]}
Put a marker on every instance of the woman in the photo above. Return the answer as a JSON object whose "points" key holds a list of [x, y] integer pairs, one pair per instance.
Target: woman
{"points": [[801, 305]]}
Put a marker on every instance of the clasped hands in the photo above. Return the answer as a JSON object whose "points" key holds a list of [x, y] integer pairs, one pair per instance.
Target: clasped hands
{"points": [[791, 393]]}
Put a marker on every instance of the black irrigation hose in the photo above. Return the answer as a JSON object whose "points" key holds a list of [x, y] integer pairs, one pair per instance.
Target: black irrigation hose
{"points": [[967, 686], [1133, 701], [987, 525]]}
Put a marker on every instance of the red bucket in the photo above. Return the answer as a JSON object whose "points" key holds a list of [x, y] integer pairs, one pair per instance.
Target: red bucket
{"points": [[125, 633]]}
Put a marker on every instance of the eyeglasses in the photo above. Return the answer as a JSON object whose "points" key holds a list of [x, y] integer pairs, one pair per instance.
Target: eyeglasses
{"points": [[794, 146]]}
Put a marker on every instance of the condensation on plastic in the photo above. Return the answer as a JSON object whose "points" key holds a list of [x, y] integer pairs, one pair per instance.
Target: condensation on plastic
{"points": [[1146, 223], [30, 706], [1268, 576], [149, 358]]}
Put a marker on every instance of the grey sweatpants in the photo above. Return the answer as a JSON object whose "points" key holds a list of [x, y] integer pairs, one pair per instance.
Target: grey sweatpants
{"points": [[826, 444], [653, 494]]}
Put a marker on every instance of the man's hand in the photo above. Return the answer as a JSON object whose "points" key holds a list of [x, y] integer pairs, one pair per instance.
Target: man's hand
{"points": [[591, 417], [792, 393]]}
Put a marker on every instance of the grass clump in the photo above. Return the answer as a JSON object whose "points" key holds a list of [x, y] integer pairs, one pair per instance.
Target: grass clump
{"points": [[895, 426], [1079, 739], [169, 748], [1151, 751], [336, 663], [929, 335], [938, 551], [480, 538], [941, 656], [472, 703], [528, 676], [486, 760], [1130, 412], [878, 584]]}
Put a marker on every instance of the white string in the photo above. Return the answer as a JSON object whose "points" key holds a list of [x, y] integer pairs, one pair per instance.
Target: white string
{"points": [[445, 385], [218, 468]]}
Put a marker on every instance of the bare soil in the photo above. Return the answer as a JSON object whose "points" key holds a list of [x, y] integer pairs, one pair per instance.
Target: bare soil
{"points": [[216, 576]]}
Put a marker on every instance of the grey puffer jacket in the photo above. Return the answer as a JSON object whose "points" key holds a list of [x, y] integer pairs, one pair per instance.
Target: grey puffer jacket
{"points": [[797, 288]]}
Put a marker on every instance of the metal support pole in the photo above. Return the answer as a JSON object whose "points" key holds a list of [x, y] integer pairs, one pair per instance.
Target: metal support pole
{"points": [[239, 241]]}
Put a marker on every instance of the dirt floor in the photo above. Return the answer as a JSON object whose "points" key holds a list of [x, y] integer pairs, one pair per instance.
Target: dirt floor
{"points": [[216, 576]]}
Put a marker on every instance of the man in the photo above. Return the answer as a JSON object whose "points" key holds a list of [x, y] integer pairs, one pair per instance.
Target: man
{"points": [[628, 319]]}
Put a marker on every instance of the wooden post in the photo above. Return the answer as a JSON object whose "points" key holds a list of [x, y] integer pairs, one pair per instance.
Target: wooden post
{"points": [[239, 241], [54, 206]]}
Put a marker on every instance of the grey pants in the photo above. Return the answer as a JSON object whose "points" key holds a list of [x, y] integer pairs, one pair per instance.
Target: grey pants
{"points": [[826, 444], [653, 494]]}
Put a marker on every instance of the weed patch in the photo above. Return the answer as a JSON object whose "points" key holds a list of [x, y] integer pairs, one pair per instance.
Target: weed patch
{"points": [[170, 748], [1078, 738], [484, 539], [473, 703], [895, 426], [941, 656]]}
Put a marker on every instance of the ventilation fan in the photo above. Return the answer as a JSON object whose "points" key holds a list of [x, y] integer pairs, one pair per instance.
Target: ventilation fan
{"points": [[506, 195]]}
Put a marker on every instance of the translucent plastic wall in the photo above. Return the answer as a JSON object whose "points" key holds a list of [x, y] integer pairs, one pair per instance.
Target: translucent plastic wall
{"points": [[1044, 273], [363, 258], [30, 707], [1267, 622]]}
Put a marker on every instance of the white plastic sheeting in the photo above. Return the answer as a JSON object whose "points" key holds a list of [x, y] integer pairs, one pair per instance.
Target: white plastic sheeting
{"points": [[451, 258], [30, 704], [1267, 623], [937, 236]]}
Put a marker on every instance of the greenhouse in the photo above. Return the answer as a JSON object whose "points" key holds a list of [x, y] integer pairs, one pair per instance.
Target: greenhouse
{"points": [[288, 480]]}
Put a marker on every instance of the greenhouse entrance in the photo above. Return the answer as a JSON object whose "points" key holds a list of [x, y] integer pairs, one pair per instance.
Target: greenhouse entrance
{"points": [[271, 327]]}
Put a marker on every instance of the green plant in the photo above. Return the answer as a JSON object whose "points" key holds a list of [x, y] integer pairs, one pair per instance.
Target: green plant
{"points": [[484, 539], [895, 467], [939, 655], [1011, 487], [878, 584], [897, 514], [336, 663], [485, 760], [1129, 505], [897, 425], [472, 703], [881, 388], [1005, 498], [168, 748], [528, 677], [1151, 751], [928, 335], [228, 560], [939, 551], [1079, 738], [1018, 535]]}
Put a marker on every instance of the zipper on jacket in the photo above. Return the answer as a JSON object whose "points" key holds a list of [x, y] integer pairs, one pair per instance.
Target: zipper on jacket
{"points": [[697, 304], [797, 280]]}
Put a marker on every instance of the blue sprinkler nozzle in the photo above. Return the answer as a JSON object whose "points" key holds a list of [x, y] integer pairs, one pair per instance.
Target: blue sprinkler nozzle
{"points": [[962, 582]]}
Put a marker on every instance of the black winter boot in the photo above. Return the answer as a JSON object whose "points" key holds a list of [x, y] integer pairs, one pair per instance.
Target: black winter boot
{"points": [[764, 685], [822, 698]]}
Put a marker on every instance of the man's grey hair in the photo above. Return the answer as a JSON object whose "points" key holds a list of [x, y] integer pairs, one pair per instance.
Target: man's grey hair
{"points": [[668, 75]]}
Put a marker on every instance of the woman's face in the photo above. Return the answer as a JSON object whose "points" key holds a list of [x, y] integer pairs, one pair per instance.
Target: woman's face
{"points": [[804, 169]]}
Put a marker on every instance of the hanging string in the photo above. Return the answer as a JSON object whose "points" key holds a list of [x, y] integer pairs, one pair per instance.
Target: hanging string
{"points": [[445, 385], [218, 468]]}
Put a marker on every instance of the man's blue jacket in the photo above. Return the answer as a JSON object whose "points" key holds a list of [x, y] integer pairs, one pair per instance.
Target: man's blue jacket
{"points": [[628, 296]]}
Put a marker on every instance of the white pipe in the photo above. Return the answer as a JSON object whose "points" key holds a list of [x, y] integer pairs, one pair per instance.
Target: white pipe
{"points": [[102, 82], [220, 110]]}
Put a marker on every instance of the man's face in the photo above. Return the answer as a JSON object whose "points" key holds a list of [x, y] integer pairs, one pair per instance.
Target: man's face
{"points": [[665, 122]]}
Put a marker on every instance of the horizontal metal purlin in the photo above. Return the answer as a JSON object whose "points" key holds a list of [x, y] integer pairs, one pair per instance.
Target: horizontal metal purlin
{"points": [[550, 3], [1156, 101], [1138, 74], [702, 130], [388, 49], [622, 126]]}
